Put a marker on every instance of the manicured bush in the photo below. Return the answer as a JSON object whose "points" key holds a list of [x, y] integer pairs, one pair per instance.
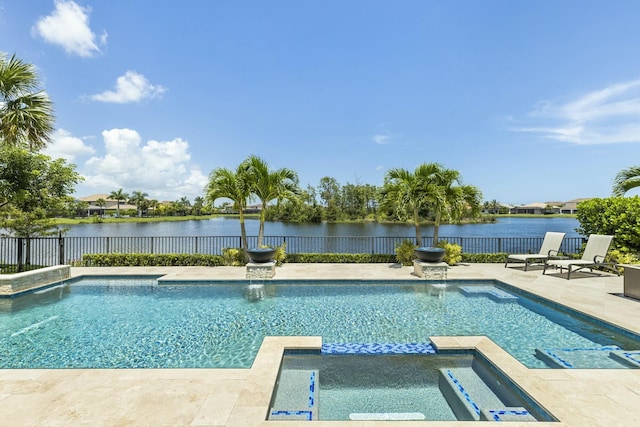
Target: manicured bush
{"points": [[452, 252], [136, 260], [617, 216], [233, 257], [404, 252], [281, 254], [339, 258], [484, 258]]}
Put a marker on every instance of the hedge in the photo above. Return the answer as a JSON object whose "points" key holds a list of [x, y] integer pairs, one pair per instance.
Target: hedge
{"points": [[135, 260], [339, 258]]}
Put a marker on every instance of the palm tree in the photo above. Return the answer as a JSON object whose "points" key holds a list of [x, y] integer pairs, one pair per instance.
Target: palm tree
{"points": [[118, 195], [431, 188], [450, 199], [233, 185], [411, 191], [269, 185], [139, 199], [625, 180], [154, 204], [198, 204], [26, 113], [184, 205], [101, 203]]}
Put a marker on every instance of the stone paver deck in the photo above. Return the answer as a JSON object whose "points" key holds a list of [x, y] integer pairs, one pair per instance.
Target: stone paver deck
{"points": [[240, 397]]}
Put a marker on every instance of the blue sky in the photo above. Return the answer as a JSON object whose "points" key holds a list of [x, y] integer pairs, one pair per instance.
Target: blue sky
{"points": [[531, 100]]}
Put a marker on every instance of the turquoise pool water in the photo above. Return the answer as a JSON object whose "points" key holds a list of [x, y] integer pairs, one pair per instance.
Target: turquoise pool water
{"points": [[136, 323]]}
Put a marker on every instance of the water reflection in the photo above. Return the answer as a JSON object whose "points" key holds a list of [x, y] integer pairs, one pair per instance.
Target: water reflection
{"points": [[37, 298]]}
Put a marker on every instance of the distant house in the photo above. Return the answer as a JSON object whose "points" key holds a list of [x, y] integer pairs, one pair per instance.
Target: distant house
{"points": [[537, 208], [552, 207], [571, 207], [250, 209], [109, 204]]}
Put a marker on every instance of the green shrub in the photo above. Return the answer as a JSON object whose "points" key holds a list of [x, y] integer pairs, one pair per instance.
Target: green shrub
{"points": [[484, 258], [137, 260], [281, 254], [404, 252], [233, 257], [452, 252], [339, 258], [617, 216]]}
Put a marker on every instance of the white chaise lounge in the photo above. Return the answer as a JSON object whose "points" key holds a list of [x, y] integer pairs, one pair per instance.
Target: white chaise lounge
{"points": [[550, 247], [594, 256]]}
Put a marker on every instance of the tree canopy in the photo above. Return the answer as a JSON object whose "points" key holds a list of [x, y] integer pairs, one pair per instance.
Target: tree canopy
{"points": [[626, 180], [26, 113]]}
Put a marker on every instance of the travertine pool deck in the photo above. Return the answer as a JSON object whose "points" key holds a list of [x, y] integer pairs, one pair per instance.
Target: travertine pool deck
{"points": [[240, 397]]}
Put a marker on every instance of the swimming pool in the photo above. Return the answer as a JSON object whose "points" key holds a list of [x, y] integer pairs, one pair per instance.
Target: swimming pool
{"points": [[136, 323]]}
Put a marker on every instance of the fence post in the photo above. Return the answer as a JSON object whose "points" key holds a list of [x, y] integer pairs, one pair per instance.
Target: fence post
{"points": [[60, 249], [19, 254]]}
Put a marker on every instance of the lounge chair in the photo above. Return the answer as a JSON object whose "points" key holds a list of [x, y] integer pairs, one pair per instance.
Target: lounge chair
{"points": [[594, 256], [550, 247]]}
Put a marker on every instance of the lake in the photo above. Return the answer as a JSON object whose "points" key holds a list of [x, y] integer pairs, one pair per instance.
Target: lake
{"points": [[221, 226]]}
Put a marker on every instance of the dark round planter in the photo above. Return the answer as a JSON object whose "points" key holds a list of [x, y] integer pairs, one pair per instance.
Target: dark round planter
{"points": [[425, 254], [261, 254]]}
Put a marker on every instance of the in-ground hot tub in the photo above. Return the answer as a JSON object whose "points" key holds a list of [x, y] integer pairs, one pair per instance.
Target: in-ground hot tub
{"points": [[437, 387]]}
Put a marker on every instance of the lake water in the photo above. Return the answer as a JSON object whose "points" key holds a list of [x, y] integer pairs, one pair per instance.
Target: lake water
{"points": [[504, 227]]}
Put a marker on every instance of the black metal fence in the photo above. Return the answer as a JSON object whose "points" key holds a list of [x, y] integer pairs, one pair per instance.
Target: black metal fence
{"points": [[45, 251]]}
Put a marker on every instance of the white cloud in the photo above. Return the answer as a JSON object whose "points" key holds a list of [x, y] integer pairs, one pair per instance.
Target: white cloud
{"points": [[381, 139], [66, 146], [383, 135], [132, 87], [607, 116], [68, 26], [162, 169]]}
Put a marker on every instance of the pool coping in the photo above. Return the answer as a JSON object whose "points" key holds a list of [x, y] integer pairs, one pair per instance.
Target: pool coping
{"points": [[240, 397]]}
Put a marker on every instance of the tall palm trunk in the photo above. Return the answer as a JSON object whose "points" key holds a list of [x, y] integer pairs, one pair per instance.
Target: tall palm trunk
{"points": [[243, 234], [417, 225], [436, 228], [261, 228]]}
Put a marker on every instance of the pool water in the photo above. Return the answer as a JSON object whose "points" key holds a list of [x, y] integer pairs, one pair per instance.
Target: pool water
{"points": [[136, 323], [373, 384], [440, 387]]}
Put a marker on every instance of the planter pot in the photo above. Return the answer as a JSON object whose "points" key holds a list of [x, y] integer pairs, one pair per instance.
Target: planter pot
{"points": [[425, 254], [259, 255]]}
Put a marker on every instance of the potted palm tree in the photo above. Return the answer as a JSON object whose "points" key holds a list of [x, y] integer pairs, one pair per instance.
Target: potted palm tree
{"points": [[431, 187]]}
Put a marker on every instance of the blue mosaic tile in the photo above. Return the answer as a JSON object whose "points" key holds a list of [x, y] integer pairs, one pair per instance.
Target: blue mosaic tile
{"points": [[378, 348], [312, 389], [631, 358], [508, 414], [562, 356], [463, 392], [304, 415]]}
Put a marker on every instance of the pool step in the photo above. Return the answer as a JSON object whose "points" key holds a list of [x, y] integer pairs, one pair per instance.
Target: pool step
{"points": [[296, 397], [471, 399], [629, 358], [607, 357], [386, 416], [492, 292]]}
